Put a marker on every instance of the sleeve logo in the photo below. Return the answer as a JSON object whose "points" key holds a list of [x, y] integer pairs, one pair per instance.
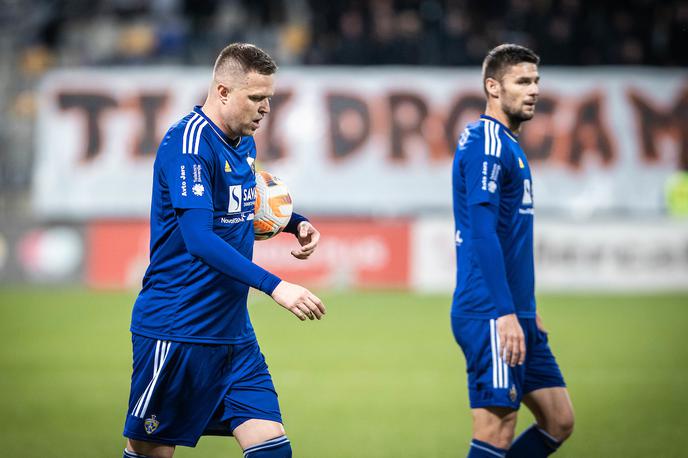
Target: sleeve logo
{"points": [[198, 189]]}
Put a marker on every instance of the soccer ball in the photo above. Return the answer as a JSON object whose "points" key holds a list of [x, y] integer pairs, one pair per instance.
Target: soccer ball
{"points": [[273, 206]]}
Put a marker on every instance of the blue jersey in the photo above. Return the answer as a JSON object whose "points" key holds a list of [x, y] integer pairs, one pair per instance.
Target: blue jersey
{"points": [[184, 299], [491, 168]]}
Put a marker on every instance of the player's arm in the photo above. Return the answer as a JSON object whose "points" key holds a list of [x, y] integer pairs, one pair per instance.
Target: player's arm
{"points": [[307, 235], [196, 225], [481, 165], [491, 262]]}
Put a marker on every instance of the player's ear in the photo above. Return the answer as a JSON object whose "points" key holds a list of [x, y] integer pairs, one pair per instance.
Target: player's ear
{"points": [[492, 87], [222, 92]]}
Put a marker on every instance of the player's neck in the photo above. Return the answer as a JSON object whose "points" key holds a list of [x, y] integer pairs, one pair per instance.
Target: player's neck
{"points": [[214, 115], [500, 116]]}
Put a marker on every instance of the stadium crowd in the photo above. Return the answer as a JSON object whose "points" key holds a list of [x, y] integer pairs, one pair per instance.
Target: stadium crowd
{"points": [[39, 35]]}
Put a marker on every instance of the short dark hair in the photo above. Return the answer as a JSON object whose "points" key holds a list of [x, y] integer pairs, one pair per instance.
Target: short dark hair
{"points": [[246, 57], [503, 56]]}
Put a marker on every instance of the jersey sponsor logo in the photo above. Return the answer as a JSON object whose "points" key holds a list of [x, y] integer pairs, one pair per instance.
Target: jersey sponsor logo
{"points": [[527, 193], [151, 424], [250, 194], [198, 189], [182, 175], [197, 173], [235, 199], [235, 220]]}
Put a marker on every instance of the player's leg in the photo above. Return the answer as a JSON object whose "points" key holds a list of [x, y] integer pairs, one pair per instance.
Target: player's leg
{"points": [[493, 431], [262, 439], [546, 396], [554, 420], [251, 409], [175, 388], [493, 387], [143, 449]]}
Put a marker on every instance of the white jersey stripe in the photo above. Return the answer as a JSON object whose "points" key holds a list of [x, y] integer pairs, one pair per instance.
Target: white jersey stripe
{"points": [[163, 353], [190, 138], [499, 140], [186, 131], [493, 347], [487, 138], [493, 144], [198, 136]]}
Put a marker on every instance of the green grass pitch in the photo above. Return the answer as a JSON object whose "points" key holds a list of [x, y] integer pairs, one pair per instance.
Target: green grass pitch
{"points": [[381, 376]]}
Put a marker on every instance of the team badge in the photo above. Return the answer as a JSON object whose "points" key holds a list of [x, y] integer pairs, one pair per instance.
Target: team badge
{"points": [[252, 163], [151, 424], [512, 393], [227, 167], [520, 163]]}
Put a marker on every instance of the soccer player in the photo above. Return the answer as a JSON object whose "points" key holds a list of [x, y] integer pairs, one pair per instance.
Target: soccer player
{"points": [[197, 367], [508, 358]]}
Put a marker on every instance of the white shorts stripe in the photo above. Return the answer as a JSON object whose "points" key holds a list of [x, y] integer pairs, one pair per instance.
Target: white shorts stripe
{"points": [[186, 131], [506, 376], [162, 348], [198, 136], [493, 347], [500, 366], [163, 353], [137, 407]]}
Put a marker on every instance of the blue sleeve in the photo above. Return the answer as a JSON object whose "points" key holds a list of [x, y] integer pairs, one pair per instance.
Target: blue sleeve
{"points": [[188, 168], [202, 242], [483, 219], [293, 224], [481, 166]]}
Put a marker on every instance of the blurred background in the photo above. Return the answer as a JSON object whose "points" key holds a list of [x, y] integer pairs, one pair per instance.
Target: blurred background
{"points": [[371, 98]]}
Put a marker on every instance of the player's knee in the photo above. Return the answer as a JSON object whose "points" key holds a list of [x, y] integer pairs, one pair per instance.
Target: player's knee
{"points": [[564, 426], [143, 449], [561, 426], [278, 447], [495, 430]]}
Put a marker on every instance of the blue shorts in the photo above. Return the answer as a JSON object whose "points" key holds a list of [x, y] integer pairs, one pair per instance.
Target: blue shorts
{"points": [[181, 391], [491, 382]]}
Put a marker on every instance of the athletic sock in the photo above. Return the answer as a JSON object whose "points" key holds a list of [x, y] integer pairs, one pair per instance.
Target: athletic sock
{"points": [[480, 449], [533, 443], [128, 454], [278, 447]]}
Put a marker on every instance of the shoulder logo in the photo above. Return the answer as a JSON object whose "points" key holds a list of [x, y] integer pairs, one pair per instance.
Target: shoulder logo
{"points": [[198, 189], [151, 424], [227, 167]]}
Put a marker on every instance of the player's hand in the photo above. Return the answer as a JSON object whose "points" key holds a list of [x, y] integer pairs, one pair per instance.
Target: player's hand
{"points": [[511, 340], [299, 301], [308, 237]]}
